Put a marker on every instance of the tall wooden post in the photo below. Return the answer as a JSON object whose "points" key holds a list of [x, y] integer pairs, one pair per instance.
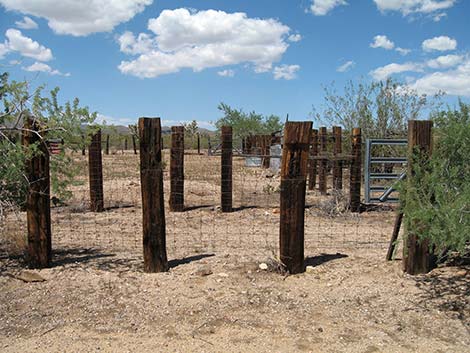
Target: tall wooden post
{"points": [[83, 145], [134, 145], [322, 180], [266, 149], [125, 144], [312, 169], [417, 253], [177, 169], [95, 172], [355, 171], [153, 207], [38, 204], [198, 143], [297, 139], [209, 146], [338, 165], [107, 145], [226, 170]]}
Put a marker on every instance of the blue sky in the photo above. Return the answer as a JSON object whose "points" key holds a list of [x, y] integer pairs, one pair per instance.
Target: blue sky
{"points": [[180, 59]]}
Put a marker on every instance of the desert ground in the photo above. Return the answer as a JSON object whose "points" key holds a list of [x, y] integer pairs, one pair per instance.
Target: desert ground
{"points": [[216, 298]]}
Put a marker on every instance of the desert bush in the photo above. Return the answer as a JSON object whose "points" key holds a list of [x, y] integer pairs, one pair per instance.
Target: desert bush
{"points": [[436, 198]]}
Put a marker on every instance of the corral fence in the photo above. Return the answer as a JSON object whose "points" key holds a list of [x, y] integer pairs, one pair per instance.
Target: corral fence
{"points": [[216, 203]]}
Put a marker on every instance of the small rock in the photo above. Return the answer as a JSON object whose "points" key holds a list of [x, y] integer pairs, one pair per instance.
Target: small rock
{"points": [[28, 276], [263, 266], [309, 269], [203, 271], [222, 274]]}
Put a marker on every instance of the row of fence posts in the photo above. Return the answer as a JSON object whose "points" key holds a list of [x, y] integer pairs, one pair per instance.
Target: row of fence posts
{"points": [[294, 170]]}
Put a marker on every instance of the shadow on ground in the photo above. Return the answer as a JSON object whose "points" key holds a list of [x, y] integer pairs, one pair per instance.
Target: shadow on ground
{"points": [[323, 258]]}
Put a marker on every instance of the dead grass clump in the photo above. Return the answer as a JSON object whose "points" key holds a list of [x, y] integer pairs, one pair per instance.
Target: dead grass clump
{"points": [[336, 205]]}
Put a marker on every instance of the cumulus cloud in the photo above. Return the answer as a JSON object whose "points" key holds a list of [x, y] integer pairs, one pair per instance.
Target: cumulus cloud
{"points": [[16, 41], [286, 72], [226, 73], [199, 40], [295, 38], [407, 7], [454, 82], [79, 18], [442, 43], [346, 66], [26, 23], [382, 73], [403, 51], [3, 50], [445, 62], [322, 7], [381, 41], [41, 67]]}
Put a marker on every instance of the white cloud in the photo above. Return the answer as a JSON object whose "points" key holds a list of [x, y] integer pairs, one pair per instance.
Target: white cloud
{"points": [[386, 71], [286, 72], [26, 23], [381, 41], [79, 18], [26, 46], [41, 67], [453, 82], [226, 73], [346, 66], [403, 51], [445, 62], [407, 7], [441, 43], [322, 7], [3, 50], [205, 39], [295, 38]]}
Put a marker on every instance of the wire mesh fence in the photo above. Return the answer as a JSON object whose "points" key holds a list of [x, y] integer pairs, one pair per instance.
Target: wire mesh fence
{"points": [[251, 231]]}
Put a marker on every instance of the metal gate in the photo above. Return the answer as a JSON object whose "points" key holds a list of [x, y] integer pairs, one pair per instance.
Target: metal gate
{"points": [[379, 185]]}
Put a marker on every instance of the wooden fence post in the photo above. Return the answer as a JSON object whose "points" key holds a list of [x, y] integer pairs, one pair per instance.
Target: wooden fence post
{"points": [[107, 145], [134, 144], [266, 149], [322, 179], [338, 165], [83, 145], [355, 171], [177, 169], [295, 153], [198, 143], [312, 169], [125, 144], [226, 163], [95, 172], [417, 253], [153, 207], [38, 203]]}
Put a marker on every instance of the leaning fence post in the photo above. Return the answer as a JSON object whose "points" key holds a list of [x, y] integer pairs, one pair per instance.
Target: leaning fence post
{"points": [[417, 253], [338, 164], [95, 172], [295, 153], [355, 171], [312, 169], [226, 162], [177, 169], [153, 207], [38, 204], [322, 186]]}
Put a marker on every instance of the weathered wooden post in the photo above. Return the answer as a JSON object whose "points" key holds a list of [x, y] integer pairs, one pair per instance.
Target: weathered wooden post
{"points": [[38, 204], [226, 164], [95, 172], [106, 151], [266, 149], [338, 164], [417, 253], [177, 169], [83, 145], [322, 179], [209, 146], [153, 207], [295, 153], [125, 144], [312, 169], [198, 143], [134, 145], [355, 171]]}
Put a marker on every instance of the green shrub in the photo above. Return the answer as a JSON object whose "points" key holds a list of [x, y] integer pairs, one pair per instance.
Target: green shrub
{"points": [[436, 199]]}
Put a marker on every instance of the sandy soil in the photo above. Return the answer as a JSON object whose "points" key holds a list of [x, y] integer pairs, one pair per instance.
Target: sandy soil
{"points": [[215, 297]]}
